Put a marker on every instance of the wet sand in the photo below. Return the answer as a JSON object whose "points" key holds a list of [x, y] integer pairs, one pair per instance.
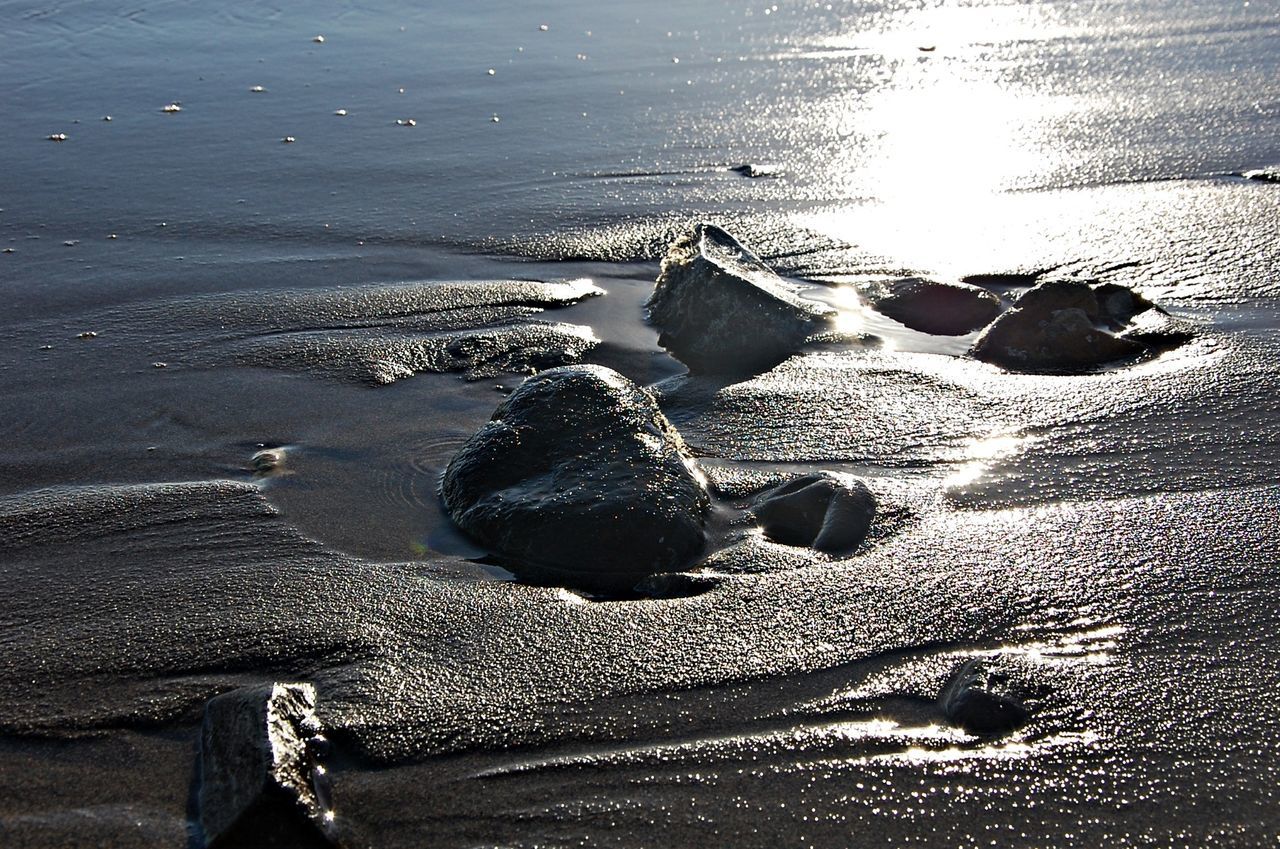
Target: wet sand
{"points": [[355, 304]]}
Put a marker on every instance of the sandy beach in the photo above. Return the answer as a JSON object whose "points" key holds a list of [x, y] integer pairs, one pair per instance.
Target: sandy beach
{"points": [[245, 337]]}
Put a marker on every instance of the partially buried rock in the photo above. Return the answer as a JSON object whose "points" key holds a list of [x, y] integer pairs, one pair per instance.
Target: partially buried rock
{"points": [[261, 782], [579, 480], [722, 310], [1074, 325], [827, 511], [945, 309], [981, 699]]}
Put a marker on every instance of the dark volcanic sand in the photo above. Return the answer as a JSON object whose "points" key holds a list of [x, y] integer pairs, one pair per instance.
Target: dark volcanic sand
{"points": [[1116, 533]]}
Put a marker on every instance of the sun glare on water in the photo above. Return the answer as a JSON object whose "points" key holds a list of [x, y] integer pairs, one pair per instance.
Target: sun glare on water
{"points": [[931, 150]]}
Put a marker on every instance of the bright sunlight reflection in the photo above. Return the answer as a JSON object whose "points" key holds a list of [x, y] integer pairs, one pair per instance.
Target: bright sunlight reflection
{"points": [[979, 454], [937, 144]]}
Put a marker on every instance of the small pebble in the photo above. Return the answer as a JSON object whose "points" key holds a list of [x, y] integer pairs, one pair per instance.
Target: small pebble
{"points": [[58, 137], [258, 89], [319, 39], [341, 113], [172, 107], [288, 140], [88, 334], [406, 122]]}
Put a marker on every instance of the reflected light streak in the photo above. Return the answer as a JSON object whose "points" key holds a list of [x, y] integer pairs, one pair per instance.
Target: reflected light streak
{"points": [[980, 453]]}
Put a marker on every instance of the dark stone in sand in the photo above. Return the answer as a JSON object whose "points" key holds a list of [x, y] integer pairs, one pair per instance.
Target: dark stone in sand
{"points": [[754, 171], [982, 699], [945, 309], [826, 511], [722, 310], [261, 783], [579, 479], [1074, 325]]}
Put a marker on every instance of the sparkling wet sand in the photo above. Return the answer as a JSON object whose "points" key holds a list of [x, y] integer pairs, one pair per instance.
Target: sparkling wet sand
{"points": [[233, 370]]}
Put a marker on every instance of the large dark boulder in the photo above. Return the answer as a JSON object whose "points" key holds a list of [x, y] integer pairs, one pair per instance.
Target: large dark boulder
{"points": [[1076, 325], [722, 310], [827, 511], [261, 781], [579, 480], [930, 306]]}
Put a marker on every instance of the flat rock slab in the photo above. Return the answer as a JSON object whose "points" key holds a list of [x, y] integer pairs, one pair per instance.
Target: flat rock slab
{"points": [[579, 480], [722, 310], [261, 783], [930, 306]]}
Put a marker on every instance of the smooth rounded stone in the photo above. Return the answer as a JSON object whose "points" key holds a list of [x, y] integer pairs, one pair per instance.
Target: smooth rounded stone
{"points": [[943, 309], [580, 480], [827, 511], [1067, 326], [261, 781], [722, 310], [981, 699]]}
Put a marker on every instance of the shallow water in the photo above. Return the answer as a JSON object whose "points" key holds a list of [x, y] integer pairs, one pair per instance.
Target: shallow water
{"points": [[186, 291]]}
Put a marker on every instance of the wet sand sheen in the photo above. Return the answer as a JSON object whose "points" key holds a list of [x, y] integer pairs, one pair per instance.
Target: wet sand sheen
{"points": [[234, 370]]}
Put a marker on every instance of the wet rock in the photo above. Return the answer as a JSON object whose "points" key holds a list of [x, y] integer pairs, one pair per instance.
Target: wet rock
{"points": [[754, 171], [261, 782], [722, 310], [1265, 175], [580, 480], [945, 309], [982, 698], [827, 511], [1074, 325], [268, 461]]}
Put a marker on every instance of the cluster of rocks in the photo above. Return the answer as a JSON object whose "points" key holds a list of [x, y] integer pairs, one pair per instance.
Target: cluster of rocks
{"points": [[580, 480], [1064, 326]]}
